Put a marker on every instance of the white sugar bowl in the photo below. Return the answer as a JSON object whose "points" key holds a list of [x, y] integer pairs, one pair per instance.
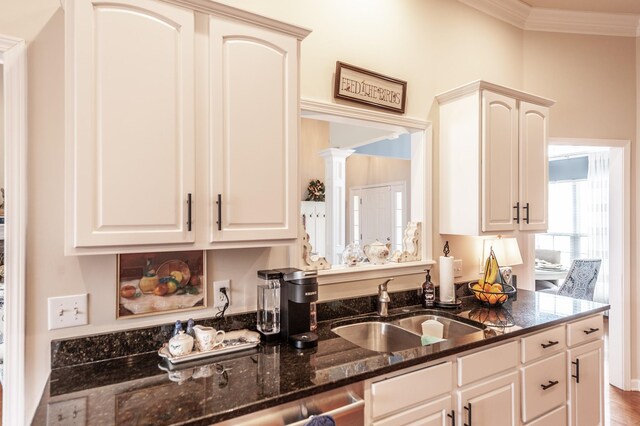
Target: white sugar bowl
{"points": [[181, 344]]}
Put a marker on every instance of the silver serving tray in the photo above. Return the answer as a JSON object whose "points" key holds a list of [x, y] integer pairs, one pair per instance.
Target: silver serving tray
{"points": [[248, 340]]}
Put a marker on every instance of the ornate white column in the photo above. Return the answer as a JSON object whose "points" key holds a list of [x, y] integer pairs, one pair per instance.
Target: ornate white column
{"points": [[335, 197]]}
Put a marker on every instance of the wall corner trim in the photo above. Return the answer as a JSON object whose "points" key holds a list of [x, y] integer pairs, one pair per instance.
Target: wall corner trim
{"points": [[521, 15]]}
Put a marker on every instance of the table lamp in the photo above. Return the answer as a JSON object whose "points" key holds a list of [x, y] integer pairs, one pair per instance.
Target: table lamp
{"points": [[507, 254]]}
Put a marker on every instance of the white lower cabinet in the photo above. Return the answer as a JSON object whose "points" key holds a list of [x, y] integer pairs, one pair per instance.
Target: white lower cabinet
{"points": [[544, 386], [435, 413], [550, 378], [494, 402], [557, 417], [587, 384], [390, 395]]}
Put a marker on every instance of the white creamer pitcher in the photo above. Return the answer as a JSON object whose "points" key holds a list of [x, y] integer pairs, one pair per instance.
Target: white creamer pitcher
{"points": [[208, 337]]}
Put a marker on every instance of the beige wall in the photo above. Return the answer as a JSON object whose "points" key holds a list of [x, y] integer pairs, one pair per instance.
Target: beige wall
{"points": [[434, 45], [594, 82]]}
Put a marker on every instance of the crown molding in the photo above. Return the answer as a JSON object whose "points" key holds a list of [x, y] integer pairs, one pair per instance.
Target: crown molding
{"points": [[521, 15], [478, 85], [513, 12], [565, 21]]}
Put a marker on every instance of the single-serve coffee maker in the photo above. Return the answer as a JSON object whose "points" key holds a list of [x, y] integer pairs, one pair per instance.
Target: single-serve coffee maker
{"points": [[286, 306]]}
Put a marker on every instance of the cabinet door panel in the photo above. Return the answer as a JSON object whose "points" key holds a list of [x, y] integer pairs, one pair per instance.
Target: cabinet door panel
{"points": [[499, 162], [254, 130], [534, 166], [586, 397], [492, 402], [131, 122], [435, 413]]}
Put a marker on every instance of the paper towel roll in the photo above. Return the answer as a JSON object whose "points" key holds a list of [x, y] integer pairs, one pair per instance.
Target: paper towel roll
{"points": [[447, 289]]}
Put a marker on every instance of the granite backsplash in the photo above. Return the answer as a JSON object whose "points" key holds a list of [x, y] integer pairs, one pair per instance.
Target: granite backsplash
{"points": [[117, 344]]}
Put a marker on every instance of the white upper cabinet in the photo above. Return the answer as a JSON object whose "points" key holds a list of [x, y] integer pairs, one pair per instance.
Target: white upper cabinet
{"points": [[499, 161], [534, 166], [139, 135], [130, 129], [493, 160], [254, 132]]}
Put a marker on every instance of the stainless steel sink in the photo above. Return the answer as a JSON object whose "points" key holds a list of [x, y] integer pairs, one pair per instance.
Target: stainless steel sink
{"points": [[452, 328], [378, 336], [401, 334]]}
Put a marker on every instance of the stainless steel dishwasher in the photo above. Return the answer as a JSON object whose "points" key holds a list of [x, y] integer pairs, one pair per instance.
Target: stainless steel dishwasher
{"points": [[345, 405]]}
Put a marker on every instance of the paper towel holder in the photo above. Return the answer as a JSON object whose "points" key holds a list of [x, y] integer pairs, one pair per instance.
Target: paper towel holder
{"points": [[452, 304]]}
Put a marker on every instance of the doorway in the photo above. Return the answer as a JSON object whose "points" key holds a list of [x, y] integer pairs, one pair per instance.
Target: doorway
{"points": [[613, 233], [378, 213]]}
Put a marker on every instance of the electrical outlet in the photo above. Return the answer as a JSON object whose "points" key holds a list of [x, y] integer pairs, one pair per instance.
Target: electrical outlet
{"points": [[68, 311], [72, 412], [457, 268], [219, 299]]}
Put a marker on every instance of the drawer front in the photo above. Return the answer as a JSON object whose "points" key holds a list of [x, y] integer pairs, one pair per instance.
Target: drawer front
{"points": [[400, 392], [584, 330], [544, 386], [487, 363], [557, 417], [542, 344], [434, 413]]}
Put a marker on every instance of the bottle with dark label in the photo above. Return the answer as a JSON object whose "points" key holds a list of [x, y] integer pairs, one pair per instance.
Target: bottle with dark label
{"points": [[428, 292]]}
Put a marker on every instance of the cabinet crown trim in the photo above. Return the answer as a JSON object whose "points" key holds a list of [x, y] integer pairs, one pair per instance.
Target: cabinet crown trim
{"points": [[210, 7], [485, 85]]}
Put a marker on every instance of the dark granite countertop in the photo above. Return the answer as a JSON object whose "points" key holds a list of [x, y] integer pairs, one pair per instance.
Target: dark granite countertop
{"points": [[135, 390]]}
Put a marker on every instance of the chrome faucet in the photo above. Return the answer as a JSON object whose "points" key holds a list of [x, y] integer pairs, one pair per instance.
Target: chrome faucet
{"points": [[383, 299]]}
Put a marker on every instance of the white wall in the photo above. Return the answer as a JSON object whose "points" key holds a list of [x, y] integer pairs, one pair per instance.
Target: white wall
{"points": [[434, 45]]}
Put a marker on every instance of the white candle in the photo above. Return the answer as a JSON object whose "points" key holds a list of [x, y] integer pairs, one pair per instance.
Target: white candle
{"points": [[447, 289]]}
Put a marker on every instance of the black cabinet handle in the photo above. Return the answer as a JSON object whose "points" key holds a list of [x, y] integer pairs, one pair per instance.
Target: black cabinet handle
{"points": [[551, 384], [189, 212], [548, 345], [526, 217], [452, 415], [517, 207], [591, 330], [577, 375], [468, 408], [219, 203]]}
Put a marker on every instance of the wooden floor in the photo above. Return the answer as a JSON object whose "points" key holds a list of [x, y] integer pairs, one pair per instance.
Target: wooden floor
{"points": [[621, 408]]}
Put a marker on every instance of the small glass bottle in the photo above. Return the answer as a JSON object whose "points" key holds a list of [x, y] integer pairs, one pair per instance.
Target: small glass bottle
{"points": [[190, 331], [177, 328], [428, 292]]}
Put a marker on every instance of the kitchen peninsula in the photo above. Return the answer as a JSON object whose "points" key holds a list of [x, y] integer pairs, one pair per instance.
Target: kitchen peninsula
{"points": [[527, 341]]}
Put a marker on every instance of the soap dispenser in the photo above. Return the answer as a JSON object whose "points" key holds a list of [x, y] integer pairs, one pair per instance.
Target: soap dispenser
{"points": [[428, 292]]}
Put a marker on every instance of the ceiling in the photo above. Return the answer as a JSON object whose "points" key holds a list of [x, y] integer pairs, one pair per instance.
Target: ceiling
{"points": [[603, 6]]}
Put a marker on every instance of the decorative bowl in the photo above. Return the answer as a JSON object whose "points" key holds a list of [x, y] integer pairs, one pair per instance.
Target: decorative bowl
{"points": [[494, 296]]}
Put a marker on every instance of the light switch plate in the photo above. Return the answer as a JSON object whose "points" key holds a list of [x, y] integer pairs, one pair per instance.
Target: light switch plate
{"points": [[457, 268], [69, 413], [68, 311]]}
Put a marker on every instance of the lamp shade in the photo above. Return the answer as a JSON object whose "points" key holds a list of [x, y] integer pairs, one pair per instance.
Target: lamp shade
{"points": [[506, 250]]}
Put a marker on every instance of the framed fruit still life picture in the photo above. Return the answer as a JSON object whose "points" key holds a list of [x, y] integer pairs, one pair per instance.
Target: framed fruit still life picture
{"points": [[158, 283]]}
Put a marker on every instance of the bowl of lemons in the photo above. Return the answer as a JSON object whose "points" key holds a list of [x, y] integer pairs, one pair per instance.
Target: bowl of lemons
{"points": [[494, 294]]}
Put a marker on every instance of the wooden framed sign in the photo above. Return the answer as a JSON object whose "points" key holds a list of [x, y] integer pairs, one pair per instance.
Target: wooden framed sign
{"points": [[367, 87]]}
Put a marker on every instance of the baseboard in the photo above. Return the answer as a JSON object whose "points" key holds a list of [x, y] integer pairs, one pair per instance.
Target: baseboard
{"points": [[635, 384]]}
